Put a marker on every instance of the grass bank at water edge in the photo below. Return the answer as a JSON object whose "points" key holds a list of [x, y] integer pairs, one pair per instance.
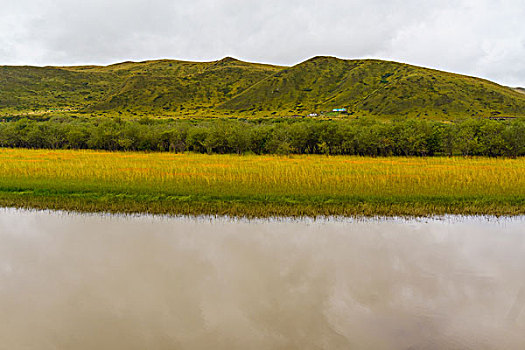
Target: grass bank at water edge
{"points": [[260, 186]]}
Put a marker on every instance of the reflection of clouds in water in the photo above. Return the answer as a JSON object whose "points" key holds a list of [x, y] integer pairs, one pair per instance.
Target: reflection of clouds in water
{"points": [[91, 282], [517, 307]]}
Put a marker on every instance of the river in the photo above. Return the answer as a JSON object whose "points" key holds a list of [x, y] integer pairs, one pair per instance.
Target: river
{"points": [[77, 281]]}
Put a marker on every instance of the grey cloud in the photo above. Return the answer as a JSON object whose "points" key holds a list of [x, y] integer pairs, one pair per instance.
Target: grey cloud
{"points": [[483, 38]]}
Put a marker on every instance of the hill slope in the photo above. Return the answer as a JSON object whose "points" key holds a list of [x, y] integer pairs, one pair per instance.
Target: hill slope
{"points": [[378, 88], [230, 86], [166, 86]]}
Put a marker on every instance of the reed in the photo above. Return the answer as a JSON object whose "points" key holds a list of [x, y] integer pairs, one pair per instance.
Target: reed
{"points": [[260, 186]]}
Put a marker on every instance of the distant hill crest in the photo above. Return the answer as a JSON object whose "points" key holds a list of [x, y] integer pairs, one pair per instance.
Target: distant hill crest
{"points": [[233, 87]]}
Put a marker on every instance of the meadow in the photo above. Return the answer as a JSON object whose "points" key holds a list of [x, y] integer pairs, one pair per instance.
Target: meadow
{"points": [[260, 186]]}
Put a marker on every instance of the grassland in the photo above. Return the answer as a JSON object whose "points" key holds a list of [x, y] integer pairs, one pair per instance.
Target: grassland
{"points": [[232, 88], [260, 186]]}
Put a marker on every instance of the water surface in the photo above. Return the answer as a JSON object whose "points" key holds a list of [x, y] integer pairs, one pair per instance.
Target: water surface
{"points": [[72, 281]]}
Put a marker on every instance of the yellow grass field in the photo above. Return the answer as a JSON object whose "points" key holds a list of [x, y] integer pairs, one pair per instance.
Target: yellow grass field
{"points": [[260, 186]]}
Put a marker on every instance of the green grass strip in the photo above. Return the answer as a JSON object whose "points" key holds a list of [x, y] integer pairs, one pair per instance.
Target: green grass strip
{"points": [[267, 206]]}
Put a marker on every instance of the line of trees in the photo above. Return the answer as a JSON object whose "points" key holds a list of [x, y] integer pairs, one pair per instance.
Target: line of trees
{"points": [[365, 137]]}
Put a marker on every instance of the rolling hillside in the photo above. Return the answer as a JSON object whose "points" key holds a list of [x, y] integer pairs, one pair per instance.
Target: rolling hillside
{"points": [[233, 87], [163, 86], [378, 88]]}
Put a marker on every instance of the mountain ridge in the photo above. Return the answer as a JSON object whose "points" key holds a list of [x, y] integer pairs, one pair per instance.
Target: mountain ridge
{"points": [[233, 87]]}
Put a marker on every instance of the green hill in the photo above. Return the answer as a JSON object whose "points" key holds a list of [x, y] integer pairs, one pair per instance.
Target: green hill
{"points": [[163, 86], [233, 87], [378, 88]]}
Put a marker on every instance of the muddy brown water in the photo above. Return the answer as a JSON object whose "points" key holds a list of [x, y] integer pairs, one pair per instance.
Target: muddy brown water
{"points": [[71, 281]]}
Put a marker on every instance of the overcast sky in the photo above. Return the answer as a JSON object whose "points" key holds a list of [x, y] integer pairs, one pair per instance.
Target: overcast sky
{"points": [[484, 38]]}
